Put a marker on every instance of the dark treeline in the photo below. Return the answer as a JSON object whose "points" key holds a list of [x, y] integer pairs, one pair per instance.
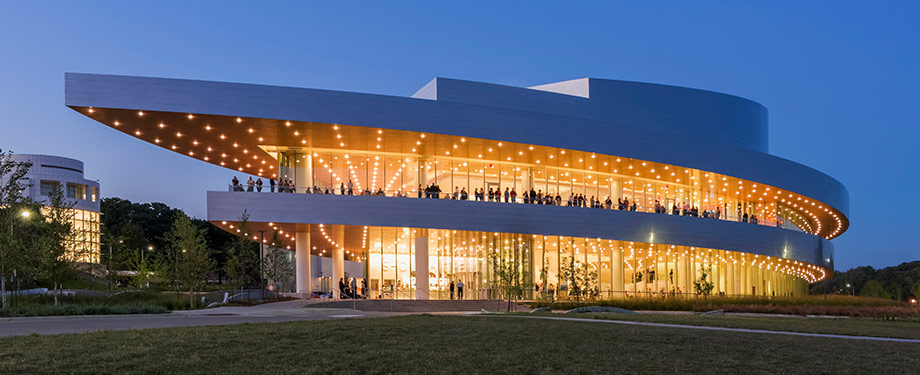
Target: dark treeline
{"points": [[134, 230], [896, 282]]}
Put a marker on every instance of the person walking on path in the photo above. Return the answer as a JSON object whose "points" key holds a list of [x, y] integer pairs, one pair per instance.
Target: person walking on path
{"points": [[460, 289]]}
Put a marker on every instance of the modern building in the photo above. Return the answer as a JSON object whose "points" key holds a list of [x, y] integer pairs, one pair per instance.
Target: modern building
{"points": [[49, 173], [679, 191]]}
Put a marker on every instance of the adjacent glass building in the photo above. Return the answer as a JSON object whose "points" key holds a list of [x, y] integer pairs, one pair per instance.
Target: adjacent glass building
{"points": [[49, 173], [583, 188]]}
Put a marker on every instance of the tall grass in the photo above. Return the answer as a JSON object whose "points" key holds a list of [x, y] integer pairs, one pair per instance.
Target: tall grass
{"points": [[717, 302], [131, 302]]}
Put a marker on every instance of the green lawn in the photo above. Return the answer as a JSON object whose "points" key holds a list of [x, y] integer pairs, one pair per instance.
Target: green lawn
{"points": [[446, 344], [847, 326]]}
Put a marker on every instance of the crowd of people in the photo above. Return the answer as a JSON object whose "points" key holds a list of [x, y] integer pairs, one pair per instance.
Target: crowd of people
{"points": [[349, 289], [509, 195]]}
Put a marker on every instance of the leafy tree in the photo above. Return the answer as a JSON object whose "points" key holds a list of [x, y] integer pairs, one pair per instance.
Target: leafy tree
{"points": [[704, 285], [192, 260], [242, 264], [15, 255], [196, 263], [11, 174], [873, 289], [579, 282], [278, 266], [58, 263], [144, 269]]}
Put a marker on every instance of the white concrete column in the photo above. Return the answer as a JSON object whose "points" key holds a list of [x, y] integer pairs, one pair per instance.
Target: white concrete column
{"points": [[746, 279], [302, 262], [682, 275], [421, 267], [303, 172], [617, 282], [527, 181], [338, 259], [423, 173], [730, 279]]}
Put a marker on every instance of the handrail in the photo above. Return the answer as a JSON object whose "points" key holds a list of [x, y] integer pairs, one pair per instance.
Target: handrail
{"points": [[549, 200]]}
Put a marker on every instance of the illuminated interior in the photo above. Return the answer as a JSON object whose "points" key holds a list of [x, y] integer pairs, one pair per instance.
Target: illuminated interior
{"points": [[322, 157], [645, 269]]}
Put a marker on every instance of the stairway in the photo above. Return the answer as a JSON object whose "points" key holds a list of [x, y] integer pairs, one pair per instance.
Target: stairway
{"points": [[419, 306]]}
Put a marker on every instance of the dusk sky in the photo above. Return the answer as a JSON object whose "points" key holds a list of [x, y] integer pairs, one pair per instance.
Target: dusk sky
{"points": [[840, 79]]}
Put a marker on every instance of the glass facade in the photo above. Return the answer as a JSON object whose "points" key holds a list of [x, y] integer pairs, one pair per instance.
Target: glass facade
{"points": [[691, 193], [492, 265], [84, 243]]}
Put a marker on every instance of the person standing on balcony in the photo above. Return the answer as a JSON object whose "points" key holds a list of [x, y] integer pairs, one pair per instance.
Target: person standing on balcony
{"points": [[250, 184], [271, 184], [259, 185], [351, 188]]}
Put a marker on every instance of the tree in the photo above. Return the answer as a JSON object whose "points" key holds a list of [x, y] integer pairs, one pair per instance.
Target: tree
{"points": [[916, 290], [873, 289], [579, 282], [242, 264], [142, 266], [278, 267], [187, 246], [58, 260], [14, 254], [704, 285]]}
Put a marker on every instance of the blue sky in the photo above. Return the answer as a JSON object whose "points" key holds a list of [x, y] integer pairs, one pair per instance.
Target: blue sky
{"points": [[840, 79]]}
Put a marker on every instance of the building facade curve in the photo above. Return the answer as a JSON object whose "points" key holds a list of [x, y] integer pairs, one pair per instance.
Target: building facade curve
{"points": [[653, 187]]}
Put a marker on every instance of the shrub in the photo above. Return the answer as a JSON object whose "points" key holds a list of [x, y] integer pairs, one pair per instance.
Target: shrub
{"points": [[809, 305]]}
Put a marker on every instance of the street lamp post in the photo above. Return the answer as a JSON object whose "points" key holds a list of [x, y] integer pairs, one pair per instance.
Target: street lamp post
{"points": [[261, 262], [850, 287]]}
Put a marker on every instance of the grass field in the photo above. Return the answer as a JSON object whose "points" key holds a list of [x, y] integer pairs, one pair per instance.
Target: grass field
{"points": [[446, 344]]}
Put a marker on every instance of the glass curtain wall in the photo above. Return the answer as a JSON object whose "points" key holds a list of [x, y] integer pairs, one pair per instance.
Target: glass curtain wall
{"points": [[503, 265], [454, 178]]}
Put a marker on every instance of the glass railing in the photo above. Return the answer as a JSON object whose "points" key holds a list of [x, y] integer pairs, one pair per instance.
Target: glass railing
{"points": [[717, 212]]}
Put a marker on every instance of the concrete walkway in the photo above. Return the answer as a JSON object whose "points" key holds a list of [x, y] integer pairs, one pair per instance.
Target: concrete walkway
{"points": [[709, 328], [266, 313]]}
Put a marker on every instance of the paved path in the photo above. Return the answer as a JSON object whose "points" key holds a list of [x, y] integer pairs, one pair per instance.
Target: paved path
{"points": [[709, 328], [267, 313]]}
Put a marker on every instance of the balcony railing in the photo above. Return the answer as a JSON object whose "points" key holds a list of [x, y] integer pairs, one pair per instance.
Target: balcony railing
{"points": [[579, 201]]}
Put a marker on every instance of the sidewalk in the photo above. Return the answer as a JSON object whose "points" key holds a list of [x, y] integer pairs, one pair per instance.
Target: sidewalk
{"points": [[266, 313]]}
